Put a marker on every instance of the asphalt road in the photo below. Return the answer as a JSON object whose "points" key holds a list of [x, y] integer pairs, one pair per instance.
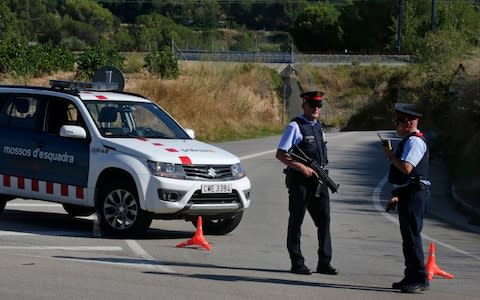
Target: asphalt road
{"points": [[44, 254]]}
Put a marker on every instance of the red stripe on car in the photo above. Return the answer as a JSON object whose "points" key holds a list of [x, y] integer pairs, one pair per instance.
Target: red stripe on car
{"points": [[6, 180], [185, 160], [21, 183], [79, 192], [64, 190], [35, 186], [49, 186]]}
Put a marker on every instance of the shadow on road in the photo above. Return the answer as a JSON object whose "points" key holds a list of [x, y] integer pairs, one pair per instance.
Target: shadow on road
{"points": [[226, 278], [60, 224]]}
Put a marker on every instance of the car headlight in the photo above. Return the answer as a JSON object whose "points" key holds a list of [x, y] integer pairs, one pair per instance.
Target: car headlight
{"points": [[166, 169], [238, 171]]}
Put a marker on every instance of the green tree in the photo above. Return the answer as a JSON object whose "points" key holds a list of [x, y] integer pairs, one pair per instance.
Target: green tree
{"points": [[8, 23], [366, 24], [461, 16], [154, 32], [123, 39], [89, 12], [318, 29], [416, 24], [262, 14], [96, 57], [455, 15], [243, 42], [29, 17], [83, 31], [162, 63]]}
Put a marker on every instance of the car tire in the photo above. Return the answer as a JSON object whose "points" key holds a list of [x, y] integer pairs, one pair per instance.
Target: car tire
{"points": [[3, 203], [220, 226], [77, 210], [120, 211]]}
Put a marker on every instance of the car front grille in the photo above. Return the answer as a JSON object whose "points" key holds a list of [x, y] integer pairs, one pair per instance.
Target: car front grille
{"points": [[205, 172]]}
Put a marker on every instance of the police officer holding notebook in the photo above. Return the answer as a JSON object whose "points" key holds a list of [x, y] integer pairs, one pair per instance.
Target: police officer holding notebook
{"points": [[301, 180], [408, 174]]}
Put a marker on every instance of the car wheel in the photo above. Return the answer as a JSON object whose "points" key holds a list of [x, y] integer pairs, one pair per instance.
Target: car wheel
{"points": [[3, 203], [222, 225], [120, 210], [77, 210]]}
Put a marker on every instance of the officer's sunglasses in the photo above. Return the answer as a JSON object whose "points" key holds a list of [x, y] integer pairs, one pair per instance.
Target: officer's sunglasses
{"points": [[315, 104]]}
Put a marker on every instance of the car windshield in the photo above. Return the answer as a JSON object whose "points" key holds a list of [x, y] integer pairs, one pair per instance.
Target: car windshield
{"points": [[115, 119]]}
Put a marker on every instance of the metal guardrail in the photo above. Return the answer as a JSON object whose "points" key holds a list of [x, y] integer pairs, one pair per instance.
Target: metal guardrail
{"points": [[290, 58], [236, 56]]}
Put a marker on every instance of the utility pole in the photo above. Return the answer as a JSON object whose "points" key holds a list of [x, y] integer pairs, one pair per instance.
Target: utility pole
{"points": [[433, 15], [399, 24], [292, 60]]}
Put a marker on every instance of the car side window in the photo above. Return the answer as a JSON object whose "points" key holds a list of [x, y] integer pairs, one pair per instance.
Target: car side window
{"points": [[20, 111], [62, 112]]}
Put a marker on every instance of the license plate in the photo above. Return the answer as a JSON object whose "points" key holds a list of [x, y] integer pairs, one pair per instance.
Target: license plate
{"points": [[216, 188]]}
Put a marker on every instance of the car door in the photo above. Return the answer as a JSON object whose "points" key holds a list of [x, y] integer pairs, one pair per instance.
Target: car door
{"points": [[21, 118], [63, 161]]}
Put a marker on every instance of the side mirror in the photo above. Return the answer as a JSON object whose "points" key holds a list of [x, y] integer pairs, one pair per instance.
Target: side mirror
{"points": [[73, 131], [190, 132]]}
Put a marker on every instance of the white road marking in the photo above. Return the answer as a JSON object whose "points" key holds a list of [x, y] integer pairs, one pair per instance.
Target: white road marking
{"points": [[133, 245], [257, 154], [46, 232], [378, 206], [67, 248], [126, 263], [275, 150], [139, 251]]}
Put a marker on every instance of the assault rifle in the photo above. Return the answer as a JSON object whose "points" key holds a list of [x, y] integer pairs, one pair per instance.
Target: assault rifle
{"points": [[296, 153]]}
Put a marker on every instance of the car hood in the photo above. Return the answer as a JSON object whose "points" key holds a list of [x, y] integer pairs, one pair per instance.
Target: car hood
{"points": [[173, 151]]}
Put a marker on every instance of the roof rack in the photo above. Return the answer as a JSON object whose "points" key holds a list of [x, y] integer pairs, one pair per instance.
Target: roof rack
{"points": [[84, 86]]}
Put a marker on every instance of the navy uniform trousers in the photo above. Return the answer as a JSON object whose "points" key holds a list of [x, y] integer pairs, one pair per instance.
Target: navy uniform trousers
{"points": [[412, 205], [301, 198]]}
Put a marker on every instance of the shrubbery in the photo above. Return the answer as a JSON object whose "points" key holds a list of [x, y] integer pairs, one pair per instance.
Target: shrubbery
{"points": [[96, 57], [162, 63], [19, 59]]}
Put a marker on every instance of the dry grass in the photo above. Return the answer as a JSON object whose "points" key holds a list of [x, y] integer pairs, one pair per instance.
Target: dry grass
{"points": [[218, 101], [348, 88]]}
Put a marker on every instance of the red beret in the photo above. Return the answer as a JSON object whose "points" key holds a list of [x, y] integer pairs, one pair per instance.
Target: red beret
{"points": [[312, 96]]}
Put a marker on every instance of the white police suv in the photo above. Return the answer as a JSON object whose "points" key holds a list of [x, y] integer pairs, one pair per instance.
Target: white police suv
{"points": [[93, 148]]}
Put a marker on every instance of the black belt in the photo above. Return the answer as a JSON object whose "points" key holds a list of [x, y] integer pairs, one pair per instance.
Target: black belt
{"points": [[412, 187]]}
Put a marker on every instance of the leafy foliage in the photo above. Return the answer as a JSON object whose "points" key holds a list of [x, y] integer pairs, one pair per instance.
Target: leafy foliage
{"points": [[316, 25], [138, 25], [162, 63], [96, 57], [21, 60]]}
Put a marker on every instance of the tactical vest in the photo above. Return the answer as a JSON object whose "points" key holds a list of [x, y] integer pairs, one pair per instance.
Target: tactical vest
{"points": [[419, 172], [312, 143]]}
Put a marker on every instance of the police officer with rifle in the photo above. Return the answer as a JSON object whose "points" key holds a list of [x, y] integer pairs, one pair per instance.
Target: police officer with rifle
{"points": [[304, 191]]}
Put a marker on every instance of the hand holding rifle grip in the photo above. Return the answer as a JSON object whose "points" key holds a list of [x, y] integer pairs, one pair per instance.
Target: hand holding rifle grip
{"points": [[296, 153]]}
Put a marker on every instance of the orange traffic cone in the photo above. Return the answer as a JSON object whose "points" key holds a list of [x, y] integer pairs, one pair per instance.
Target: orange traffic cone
{"points": [[198, 238], [432, 268]]}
